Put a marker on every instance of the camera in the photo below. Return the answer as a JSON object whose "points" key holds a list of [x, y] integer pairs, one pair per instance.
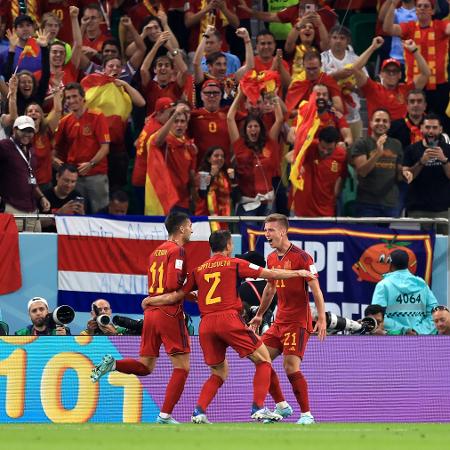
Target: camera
{"points": [[103, 320], [60, 316], [134, 327], [250, 311], [79, 199], [342, 324]]}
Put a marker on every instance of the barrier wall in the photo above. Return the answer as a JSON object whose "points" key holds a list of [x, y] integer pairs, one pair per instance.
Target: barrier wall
{"points": [[351, 379], [38, 256]]}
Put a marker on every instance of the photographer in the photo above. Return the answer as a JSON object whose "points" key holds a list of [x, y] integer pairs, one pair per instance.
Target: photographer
{"points": [[101, 322], [38, 311]]}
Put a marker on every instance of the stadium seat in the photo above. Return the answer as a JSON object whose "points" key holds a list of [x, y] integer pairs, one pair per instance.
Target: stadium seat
{"points": [[362, 27]]}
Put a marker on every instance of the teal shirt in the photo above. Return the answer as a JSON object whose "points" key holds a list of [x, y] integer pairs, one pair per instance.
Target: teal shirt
{"points": [[408, 301]]}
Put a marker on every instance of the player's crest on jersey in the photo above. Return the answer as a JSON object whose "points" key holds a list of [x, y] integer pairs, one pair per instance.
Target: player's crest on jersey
{"points": [[287, 264]]}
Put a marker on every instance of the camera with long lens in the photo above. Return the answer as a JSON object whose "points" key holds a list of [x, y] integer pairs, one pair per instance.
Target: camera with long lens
{"points": [[134, 327], [337, 324], [62, 315], [102, 320]]}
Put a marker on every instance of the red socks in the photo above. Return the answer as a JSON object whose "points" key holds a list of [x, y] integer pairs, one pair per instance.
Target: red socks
{"points": [[174, 390], [209, 391], [261, 383], [300, 389], [275, 388], [132, 366]]}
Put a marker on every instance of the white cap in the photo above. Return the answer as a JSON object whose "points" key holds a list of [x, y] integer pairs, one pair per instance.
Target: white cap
{"points": [[23, 122], [37, 299]]}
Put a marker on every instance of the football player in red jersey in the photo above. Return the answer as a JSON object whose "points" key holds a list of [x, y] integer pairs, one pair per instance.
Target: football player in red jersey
{"points": [[222, 325], [289, 333], [162, 324]]}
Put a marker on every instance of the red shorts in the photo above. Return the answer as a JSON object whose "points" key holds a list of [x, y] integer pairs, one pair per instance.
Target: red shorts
{"points": [[289, 339], [161, 328], [222, 330]]}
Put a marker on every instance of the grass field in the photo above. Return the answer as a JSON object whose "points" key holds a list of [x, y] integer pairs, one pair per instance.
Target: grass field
{"points": [[231, 436]]}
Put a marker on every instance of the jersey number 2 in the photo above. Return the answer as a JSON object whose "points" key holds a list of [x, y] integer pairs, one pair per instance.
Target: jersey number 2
{"points": [[154, 271], [215, 279]]}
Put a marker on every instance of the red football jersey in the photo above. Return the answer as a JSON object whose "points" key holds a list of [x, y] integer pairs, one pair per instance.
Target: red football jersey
{"points": [[293, 296], [217, 283], [166, 272]]}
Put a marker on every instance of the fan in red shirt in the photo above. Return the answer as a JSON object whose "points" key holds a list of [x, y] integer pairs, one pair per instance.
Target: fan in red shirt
{"points": [[82, 139], [163, 109], [257, 158], [289, 333], [208, 125], [179, 154], [164, 84], [323, 172], [300, 89], [389, 93], [93, 34], [163, 323], [222, 326]]}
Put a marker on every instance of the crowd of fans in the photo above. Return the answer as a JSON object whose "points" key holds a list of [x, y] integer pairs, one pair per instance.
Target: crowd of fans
{"points": [[177, 126]]}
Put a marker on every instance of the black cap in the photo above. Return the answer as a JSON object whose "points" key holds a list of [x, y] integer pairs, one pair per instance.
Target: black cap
{"points": [[21, 19], [254, 258], [400, 259]]}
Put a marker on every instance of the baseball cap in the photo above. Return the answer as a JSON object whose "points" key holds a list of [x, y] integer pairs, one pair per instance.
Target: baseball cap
{"points": [[163, 103], [37, 299], [400, 259], [21, 19], [212, 83], [388, 61], [253, 257], [23, 122]]}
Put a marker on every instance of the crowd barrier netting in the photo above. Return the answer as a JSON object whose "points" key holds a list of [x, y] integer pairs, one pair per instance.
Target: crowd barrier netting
{"points": [[351, 379]]}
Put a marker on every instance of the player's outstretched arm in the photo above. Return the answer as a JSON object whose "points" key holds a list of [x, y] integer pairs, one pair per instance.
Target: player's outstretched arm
{"points": [[321, 324], [164, 299], [282, 274]]}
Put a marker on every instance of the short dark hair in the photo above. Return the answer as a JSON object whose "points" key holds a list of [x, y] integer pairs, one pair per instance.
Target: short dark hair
{"points": [[218, 240], [63, 167], [310, 55], [371, 310], [119, 196], [399, 259], [339, 29], [112, 41], [433, 116], [95, 6], [381, 110], [23, 18], [416, 91], [264, 32], [329, 135], [213, 57], [110, 58], [74, 86], [174, 221]]}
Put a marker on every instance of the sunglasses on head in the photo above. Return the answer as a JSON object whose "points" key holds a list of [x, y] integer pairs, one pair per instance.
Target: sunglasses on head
{"points": [[439, 308]]}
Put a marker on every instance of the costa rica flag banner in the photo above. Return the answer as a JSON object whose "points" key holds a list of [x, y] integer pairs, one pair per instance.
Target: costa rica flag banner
{"points": [[100, 257]]}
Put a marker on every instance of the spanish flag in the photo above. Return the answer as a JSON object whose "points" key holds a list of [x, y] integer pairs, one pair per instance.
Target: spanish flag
{"points": [[113, 101], [253, 84], [31, 50], [160, 194], [307, 124]]}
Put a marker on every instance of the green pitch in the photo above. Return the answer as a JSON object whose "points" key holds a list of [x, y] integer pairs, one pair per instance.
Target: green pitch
{"points": [[231, 436]]}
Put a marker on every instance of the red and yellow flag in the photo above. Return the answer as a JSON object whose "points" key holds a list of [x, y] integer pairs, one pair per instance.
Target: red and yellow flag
{"points": [[253, 84], [160, 194], [113, 101], [31, 50], [307, 124]]}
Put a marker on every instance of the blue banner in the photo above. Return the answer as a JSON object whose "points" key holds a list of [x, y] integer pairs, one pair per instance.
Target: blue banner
{"points": [[351, 259]]}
